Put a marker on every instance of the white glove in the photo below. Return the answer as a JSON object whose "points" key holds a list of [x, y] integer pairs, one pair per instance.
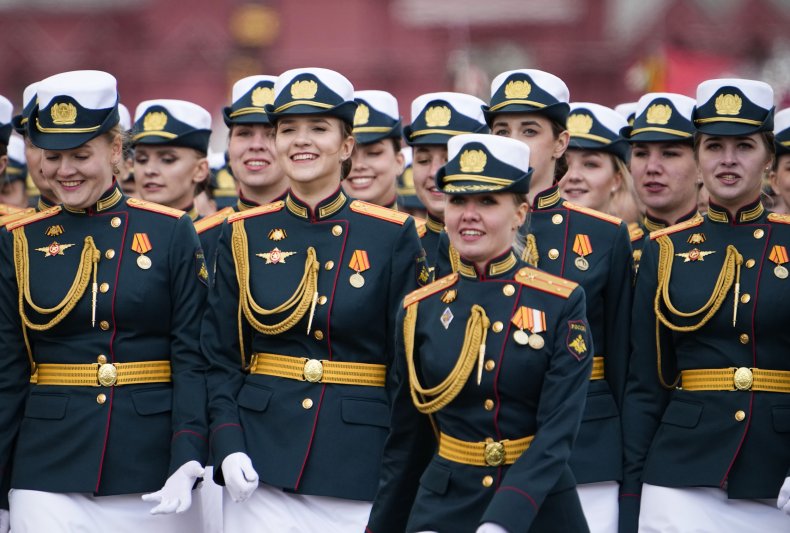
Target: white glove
{"points": [[176, 495], [241, 479], [490, 527], [783, 501], [5, 521]]}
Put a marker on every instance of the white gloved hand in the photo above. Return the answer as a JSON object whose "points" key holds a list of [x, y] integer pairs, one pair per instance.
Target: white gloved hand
{"points": [[490, 527], [241, 479], [783, 501], [5, 520], [176, 495]]}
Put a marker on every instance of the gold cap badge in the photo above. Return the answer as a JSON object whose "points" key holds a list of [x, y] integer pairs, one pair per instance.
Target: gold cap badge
{"points": [[155, 121], [362, 115], [658, 114], [304, 90], [63, 114], [438, 116], [473, 161], [262, 96], [517, 89], [580, 123], [728, 104]]}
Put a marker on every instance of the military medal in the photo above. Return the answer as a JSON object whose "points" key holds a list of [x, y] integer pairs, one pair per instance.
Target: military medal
{"points": [[779, 256], [142, 245], [582, 246], [275, 256], [54, 249], [359, 262], [521, 337], [531, 320]]}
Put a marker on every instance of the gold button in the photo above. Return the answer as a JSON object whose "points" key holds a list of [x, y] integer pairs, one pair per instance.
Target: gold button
{"points": [[749, 263], [497, 326], [337, 230], [508, 290], [488, 481], [101, 359], [488, 404], [109, 254], [744, 338], [101, 398], [307, 403], [758, 233], [321, 300], [739, 416], [556, 219], [104, 325], [104, 287], [554, 253], [318, 334], [115, 222], [745, 298], [490, 365], [329, 265]]}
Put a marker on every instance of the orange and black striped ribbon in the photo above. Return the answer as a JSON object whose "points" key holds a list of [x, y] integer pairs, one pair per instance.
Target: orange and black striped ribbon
{"points": [[530, 319], [581, 245], [778, 254], [141, 244], [359, 261]]}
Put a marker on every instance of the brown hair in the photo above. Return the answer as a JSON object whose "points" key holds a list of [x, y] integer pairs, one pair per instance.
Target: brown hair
{"points": [[345, 166], [561, 166]]}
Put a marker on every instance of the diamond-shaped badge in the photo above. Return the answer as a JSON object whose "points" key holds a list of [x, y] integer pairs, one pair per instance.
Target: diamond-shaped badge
{"points": [[446, 318]]}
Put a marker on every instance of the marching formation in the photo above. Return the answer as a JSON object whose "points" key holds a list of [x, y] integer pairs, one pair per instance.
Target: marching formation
{"points": [[539, 316]]}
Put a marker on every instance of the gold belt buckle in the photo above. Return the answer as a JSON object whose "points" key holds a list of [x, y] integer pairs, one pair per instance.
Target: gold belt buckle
{"points": [[743, 378], [107, 375], [313, 370], [495, 453]]}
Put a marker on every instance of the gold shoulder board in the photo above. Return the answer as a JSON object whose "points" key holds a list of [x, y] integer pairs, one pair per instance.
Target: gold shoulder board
{"points": [[376, 211], [212, 221], [422, 226], [781, 219], [593, 213], [255, 211], [537, 279], [691, 223], [635, 231], [155, 208], [422, 293], [7, 219], [8, 210], [33, 217]]}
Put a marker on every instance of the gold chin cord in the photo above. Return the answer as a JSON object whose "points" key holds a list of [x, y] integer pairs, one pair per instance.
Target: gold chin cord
{"points": [[473, 348], [729, 275]]}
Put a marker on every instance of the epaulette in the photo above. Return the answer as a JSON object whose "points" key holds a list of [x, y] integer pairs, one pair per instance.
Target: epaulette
{"points": [[680, 226], [433, 288], [540, 280], [376, 211], [13, 217], [155, 208], [41, 215], [8, 210], [635, 231], [212, 221], [592, 212], [422, 226], [781, 219], [255, 211]]}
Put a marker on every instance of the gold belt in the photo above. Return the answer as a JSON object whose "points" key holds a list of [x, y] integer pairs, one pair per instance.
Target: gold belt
{"points": [[318, 371], [597, 369], [486, 453], [732, 379], [102, 375]]}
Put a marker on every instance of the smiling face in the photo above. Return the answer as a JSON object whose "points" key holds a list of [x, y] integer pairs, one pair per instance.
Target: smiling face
{"points": [[732, 168], [780, 179], [483, 226], [665, 178], [252, 158], [167, 175], [80, 176], [426, 162], [374, 172], [591, 180]]}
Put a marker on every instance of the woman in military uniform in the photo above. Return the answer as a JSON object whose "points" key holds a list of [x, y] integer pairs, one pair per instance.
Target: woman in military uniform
{"points": [[99, 310], [299, 327], [495, 362], [707, 409], [585, 246], [780, 173], [377, 160]]}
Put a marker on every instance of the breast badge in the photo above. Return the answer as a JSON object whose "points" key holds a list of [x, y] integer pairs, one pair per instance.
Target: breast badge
{"points": [[54, 249], [530, 322], [695, 254], [275, 256]]}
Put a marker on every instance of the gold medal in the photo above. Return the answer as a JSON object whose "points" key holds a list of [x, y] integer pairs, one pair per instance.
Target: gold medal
{"points": [[356, 280], [521, 337], [780, 271], [581, 263], [536, 342], [583, 247], [144, 262]]}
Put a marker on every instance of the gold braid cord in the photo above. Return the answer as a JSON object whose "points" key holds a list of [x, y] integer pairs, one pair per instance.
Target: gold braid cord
{"points": [[446, 391], [530, 254], [300, 301], [455, 259], [89, 260], [730, 271]]}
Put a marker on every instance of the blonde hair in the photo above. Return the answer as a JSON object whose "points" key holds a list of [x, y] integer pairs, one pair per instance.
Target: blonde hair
{"points": [[624, 203]]}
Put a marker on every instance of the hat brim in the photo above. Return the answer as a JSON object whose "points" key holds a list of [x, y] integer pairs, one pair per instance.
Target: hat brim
{"points": [[247, 118], [555, 112], [620, 148], [656, 136], [18, 122], [197, 140], [344, 111], [519, 185], [732, 129], [67, 141]]}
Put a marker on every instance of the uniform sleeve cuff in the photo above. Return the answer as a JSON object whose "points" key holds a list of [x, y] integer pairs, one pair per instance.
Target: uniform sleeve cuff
{"points": [[500, 510]]}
